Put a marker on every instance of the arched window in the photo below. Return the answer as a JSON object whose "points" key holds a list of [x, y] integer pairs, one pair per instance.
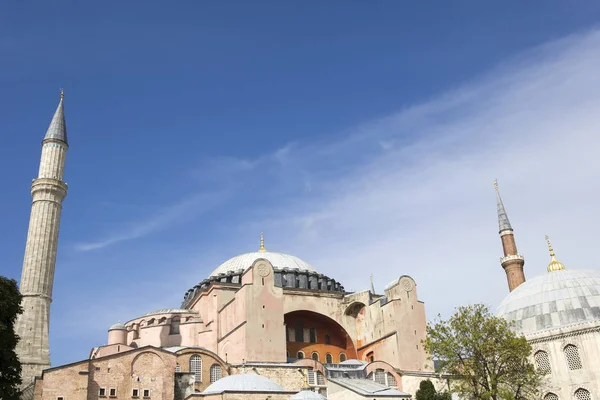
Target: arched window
{"points": [[320, 378], [327, 338], [582, 394], [391, 380], [329, 358], [550, 396], [177, 367], [136, 331], [162, 320], [174, 330], [542, 361], [300, 355], [151, 321], [572, 355], [379, 376], [342, 357], [215, 373], [196, 367], [315, 356]]}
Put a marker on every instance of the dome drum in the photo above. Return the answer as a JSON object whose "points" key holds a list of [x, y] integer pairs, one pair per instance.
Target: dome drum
{"points": [[286, 278]]}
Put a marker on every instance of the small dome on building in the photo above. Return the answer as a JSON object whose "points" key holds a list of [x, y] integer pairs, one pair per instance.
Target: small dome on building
{"points": [[116, 326], [278, 260], [554, 300], [244, 383], [307, 395]]}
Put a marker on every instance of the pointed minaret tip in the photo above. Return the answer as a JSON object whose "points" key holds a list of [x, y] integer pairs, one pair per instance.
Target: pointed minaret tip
{"points": [[372, 286], [58, 127], [503, 222]]}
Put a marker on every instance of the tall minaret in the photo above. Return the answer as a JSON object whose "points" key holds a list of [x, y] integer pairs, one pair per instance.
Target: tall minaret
{"points": [[512, 262], [37, 276]]}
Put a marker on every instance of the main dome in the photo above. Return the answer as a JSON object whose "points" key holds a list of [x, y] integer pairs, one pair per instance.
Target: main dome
{"points": [[279, 260], [553, 300]]}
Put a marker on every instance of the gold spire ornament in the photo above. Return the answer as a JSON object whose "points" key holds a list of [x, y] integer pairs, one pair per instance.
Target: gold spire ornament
{"points": [[262, 243], [554, 265]]}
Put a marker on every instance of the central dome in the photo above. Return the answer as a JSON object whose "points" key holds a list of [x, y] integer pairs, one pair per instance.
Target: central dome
{"points": [[279, 260], [553, 300]]}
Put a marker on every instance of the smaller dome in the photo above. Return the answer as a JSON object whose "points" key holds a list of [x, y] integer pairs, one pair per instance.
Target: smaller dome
{"points": [[116, 326], [244, 383], [307, 395]]}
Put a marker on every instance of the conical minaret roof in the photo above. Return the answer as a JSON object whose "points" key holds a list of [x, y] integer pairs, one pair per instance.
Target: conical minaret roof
{"points": [[58, 128], [503, 222]]}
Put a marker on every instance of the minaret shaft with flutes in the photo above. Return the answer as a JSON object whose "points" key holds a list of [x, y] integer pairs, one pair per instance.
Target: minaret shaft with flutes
{"points": [[37, 277], [512, 262]]}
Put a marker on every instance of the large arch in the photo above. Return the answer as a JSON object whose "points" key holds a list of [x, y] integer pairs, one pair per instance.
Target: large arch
{"points": [[308, 332]]}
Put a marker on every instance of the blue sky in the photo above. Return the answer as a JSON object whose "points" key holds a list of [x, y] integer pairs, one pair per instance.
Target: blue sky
{"points": [[359, 136]]}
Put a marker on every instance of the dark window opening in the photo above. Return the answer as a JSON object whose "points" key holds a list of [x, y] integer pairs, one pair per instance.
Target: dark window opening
{"points": [[313, 335], [327, 339], [299, 332]]}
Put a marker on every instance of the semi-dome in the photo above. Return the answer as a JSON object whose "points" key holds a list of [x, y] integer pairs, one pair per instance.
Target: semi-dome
{"points": [[244, 383], [556, 299], [307, 395], [279, 260]]}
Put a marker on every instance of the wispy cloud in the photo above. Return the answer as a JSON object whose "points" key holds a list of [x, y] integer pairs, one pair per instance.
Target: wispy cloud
{"points": [[189, 207]]}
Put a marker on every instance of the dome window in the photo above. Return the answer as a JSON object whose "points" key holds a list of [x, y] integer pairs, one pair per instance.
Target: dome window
{"points": [[315, 356], [542, 361], [551, 396], [300, 355], [215, 373], [342, 357], [196, 367], [572, 355], [582, 394], [329, 358]]}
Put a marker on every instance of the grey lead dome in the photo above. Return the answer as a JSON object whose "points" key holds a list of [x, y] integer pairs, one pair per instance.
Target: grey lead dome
{"points": [[552, 301], [244, 383]]}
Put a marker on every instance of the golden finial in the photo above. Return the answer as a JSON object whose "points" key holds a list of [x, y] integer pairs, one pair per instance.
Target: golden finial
{"points": [[306, 385], [62, 93], [262, 243], [554, 265]]}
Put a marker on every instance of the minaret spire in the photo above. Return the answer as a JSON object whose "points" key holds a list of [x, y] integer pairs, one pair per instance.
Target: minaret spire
{"points": [[503, 222], [512, 262], [37, 277], [372, 286], [58, 128]]}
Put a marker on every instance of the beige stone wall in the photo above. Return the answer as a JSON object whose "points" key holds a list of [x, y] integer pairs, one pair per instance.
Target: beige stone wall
{"points": [[410, 383], [70, 383], [289, 377], [208, 360]]}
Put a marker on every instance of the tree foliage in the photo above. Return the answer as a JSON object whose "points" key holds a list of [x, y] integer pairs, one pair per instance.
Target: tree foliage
{"points": [[491, 361], [10, 367], [427, 392]]}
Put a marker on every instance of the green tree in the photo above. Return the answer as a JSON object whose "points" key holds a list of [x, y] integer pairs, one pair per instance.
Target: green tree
{"points": [[10, 367], [489, 360], [427, 392]]}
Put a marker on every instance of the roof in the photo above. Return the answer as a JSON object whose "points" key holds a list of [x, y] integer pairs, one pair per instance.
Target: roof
{"points": [[307, 395], [368, 387], [244, 383], [116, 326], [58, 128], [553, 300], [170, 311], [278, 260], [503, 222]]}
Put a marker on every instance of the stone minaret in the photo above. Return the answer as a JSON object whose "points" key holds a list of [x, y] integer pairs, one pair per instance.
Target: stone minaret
{"points": [[512, 262], [37, 276]]}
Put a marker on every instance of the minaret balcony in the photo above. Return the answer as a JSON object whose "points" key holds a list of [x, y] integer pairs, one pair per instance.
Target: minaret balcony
{"points": [[512, 257]]}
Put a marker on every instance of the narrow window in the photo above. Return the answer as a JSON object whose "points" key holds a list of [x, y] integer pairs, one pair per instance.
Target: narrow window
{"points": [[315, 356], [174, 330], [299, 334], [582, 394], [391, 380], [380, 376], [300, 355], [112, 392], [313, 335], [215, 373], [60, 398], [342, 357], [542, 361], [177, 367], [102, 392], [135, 393], [311, 377], [327, 338], [572, 355], [146, 393], [196, 367], [320, 378], [329, 358]]}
